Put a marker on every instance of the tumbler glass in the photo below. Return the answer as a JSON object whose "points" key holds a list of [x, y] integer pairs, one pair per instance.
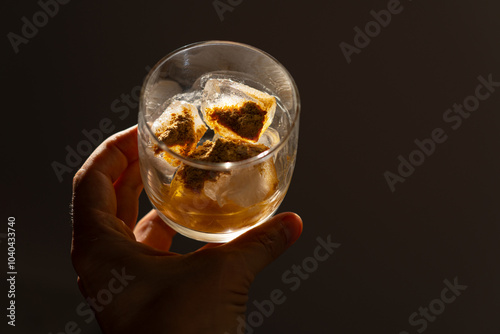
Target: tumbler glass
{"points": [[237, 195]]}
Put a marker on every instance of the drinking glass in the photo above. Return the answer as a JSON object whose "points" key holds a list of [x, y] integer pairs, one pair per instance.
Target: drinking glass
{"points": [[248, 191]]}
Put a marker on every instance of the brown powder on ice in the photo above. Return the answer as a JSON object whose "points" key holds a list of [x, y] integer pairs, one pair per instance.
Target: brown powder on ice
{"points": [[222, 150], [246, 121], [178, 132]]}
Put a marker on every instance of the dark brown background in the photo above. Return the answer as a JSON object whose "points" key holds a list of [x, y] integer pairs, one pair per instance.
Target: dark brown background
{"points": [[396, 248]]}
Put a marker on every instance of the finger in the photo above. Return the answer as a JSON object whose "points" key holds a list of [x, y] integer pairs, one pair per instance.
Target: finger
{"points": [[114, 154], [263, 244], [128, 188], [153, 231], [93, 190]]}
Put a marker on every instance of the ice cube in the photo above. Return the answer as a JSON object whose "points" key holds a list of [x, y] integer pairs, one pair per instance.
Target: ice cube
{"points": [[237, 111], [179, 127], [162, 90], [193, 97], [244, 187]]}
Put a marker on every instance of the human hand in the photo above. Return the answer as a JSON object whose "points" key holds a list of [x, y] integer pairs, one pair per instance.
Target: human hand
{"points": [[126, 271]]}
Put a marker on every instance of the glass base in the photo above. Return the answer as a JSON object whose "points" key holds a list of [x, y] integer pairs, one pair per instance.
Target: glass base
{"points": [[210, 237]]}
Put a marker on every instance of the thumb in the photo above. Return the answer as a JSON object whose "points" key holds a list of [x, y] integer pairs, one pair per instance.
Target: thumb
{"points": [[262, 245]]}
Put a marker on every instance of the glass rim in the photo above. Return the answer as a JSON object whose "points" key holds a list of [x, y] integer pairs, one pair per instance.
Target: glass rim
{"points": [[220, 166]]}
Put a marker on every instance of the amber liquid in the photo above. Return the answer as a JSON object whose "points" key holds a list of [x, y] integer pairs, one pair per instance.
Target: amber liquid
{"points": [[196, 211]]}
